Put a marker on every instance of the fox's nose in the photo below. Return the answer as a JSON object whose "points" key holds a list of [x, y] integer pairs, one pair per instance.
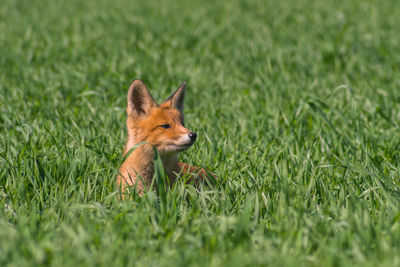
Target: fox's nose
{"points": [[192, 136]]}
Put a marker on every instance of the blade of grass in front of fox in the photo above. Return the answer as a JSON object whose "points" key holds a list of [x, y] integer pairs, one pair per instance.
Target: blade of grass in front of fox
{"points": [[131, 150], [134, 185], [160, 178]]}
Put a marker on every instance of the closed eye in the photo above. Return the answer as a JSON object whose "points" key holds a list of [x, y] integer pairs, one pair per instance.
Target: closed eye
{"points": [[165, 126]]}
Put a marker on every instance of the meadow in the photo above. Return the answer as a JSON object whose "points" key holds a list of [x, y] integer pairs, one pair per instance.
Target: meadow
{"points": [[297, 109]]}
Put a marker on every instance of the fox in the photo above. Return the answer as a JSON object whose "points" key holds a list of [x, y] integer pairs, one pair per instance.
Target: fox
{"points": [[150, 125]]}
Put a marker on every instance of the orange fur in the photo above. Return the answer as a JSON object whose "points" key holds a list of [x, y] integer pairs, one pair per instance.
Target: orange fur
{"points": [[159, 126]]}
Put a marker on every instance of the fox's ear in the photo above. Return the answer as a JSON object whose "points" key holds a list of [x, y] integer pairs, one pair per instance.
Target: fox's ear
{"points": [[177, 98], [140, 100]]}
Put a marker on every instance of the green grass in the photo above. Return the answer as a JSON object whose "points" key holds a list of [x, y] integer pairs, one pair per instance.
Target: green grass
{"points": [[297, 107]]}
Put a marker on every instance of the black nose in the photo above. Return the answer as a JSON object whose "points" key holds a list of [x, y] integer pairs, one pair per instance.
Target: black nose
{"points": [[192, 137]]}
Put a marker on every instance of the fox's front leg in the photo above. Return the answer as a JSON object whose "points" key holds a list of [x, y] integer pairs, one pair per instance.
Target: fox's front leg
{"points": [[197, 174]]}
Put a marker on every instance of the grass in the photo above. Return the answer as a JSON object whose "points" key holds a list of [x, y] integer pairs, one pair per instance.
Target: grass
{"points": [[297, 107]]}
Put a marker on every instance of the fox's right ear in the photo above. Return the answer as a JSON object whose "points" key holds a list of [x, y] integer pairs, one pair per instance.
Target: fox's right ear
{"points": [[140, 100]]}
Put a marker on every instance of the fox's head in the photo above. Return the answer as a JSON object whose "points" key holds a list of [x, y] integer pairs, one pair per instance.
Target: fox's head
{"points": [[159, 125]]}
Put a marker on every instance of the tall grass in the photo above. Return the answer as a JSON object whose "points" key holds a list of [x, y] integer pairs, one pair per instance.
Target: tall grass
{"points": [[296, 104]]}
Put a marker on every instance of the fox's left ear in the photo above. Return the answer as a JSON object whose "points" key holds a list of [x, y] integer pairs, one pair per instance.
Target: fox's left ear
{"points": [[177, 98]]}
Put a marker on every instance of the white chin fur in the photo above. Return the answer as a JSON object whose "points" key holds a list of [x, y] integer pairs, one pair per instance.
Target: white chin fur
{"points": [[183, 144], [176, 148], [185, 139]]}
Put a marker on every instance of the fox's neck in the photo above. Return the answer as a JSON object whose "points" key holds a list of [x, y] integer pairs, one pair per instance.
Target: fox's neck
{"points": [[170, 161], [144, 155], [171, 166]]}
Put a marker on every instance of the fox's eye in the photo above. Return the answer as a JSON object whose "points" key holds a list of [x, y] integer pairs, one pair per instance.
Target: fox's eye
{"points": [[165, 126]]}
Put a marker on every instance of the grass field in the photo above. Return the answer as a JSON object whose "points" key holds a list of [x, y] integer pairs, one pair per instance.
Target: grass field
{"points": [[297, 107]]}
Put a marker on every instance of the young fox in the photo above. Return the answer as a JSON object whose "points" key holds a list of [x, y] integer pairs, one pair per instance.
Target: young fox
{"points": [[159, 126]]}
